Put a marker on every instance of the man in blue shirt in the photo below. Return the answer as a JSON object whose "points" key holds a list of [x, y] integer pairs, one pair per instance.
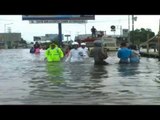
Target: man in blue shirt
{"points": [[124, 53]]}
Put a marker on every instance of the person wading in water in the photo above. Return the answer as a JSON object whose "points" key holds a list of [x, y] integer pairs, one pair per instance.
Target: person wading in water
{"points": [[98, 54]]}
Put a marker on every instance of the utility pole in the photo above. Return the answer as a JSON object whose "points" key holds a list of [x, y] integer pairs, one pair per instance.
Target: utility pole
{"points": [[85, 28], [147, 44], [159, 42], [120, 30], [129, 28], [132, 22]]}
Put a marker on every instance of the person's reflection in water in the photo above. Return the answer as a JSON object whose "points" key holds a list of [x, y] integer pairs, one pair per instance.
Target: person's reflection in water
{"points": [[128, 69], [78, 71], [98, 75], [44, 87], [99, 72], [55, 72]]}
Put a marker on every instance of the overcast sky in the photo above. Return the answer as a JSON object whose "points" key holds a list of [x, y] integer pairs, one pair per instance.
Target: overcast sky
{"points": [[101, 22]]}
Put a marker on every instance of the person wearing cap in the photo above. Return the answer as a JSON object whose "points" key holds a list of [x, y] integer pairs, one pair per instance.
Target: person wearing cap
{"points": [[54, 53], [98, 54], [75, 54], [93, 30], [84, 49]]}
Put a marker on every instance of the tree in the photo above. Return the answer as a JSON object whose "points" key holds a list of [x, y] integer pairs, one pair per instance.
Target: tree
{"points": [[23, 41], [140, 35]]}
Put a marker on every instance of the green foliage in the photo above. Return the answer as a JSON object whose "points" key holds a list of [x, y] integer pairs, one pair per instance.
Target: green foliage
{"points": [[140, 35], [23, 41]]}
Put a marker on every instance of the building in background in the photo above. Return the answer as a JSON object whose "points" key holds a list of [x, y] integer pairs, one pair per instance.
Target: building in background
{"points": [[46, 38], [9, 40]]}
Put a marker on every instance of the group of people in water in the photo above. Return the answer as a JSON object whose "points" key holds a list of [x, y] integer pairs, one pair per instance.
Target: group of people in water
{"points": [[128, 54], [78, 52], [35, 48]]}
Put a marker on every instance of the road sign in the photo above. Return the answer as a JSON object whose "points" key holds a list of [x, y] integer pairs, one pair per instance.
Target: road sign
{"points": [[125, 32], [56, 21], [58, 17], [113, 28]]}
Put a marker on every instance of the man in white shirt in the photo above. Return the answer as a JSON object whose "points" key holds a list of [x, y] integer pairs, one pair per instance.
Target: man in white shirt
{"points": [[84, 49], [75, 54]]}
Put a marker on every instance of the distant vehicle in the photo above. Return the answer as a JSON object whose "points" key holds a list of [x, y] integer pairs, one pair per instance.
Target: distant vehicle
{"points": [[109, 43]]}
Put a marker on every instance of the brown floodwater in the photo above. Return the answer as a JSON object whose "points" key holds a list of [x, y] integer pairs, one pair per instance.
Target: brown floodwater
{"points": [[26, 79]]}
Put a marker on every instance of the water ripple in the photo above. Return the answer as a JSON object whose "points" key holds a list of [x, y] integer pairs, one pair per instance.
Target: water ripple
{"points": [[27, 79]]}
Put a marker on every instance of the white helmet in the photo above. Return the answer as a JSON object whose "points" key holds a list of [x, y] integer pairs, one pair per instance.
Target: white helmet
{"points": [[83, 43], [75, 43]]}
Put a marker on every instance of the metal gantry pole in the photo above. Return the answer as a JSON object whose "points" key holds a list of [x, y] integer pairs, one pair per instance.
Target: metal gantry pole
{"points": [[60, 33]]}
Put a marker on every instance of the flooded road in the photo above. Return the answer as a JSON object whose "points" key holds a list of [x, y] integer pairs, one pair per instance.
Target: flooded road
{"points": [[27, 79]]}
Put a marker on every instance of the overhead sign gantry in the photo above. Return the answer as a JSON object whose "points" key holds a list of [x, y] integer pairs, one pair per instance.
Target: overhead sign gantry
{"points": [[58, 19]]}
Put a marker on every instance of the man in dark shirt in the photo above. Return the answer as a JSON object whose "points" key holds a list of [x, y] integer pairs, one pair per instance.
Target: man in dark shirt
{"points": [[93, 30], [98, 54]]}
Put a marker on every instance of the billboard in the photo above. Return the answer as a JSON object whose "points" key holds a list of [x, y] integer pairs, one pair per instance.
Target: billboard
{"points": [[58, 17]]}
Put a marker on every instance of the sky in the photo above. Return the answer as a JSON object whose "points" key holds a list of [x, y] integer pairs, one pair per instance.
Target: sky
{"points": [[101, 22]]}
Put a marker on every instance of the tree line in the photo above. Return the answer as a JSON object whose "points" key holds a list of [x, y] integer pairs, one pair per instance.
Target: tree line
{"points": [[139, 36]]}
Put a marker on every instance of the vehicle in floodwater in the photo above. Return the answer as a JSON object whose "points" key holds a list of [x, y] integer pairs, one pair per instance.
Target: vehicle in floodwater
{"points": [[109, 43]]}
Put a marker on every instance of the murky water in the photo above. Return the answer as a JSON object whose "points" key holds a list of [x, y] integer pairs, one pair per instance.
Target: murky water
{"points": [[27, 79]]}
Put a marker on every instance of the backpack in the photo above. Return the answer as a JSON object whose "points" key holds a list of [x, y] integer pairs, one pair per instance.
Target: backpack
{"points": [[32, 50]]}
